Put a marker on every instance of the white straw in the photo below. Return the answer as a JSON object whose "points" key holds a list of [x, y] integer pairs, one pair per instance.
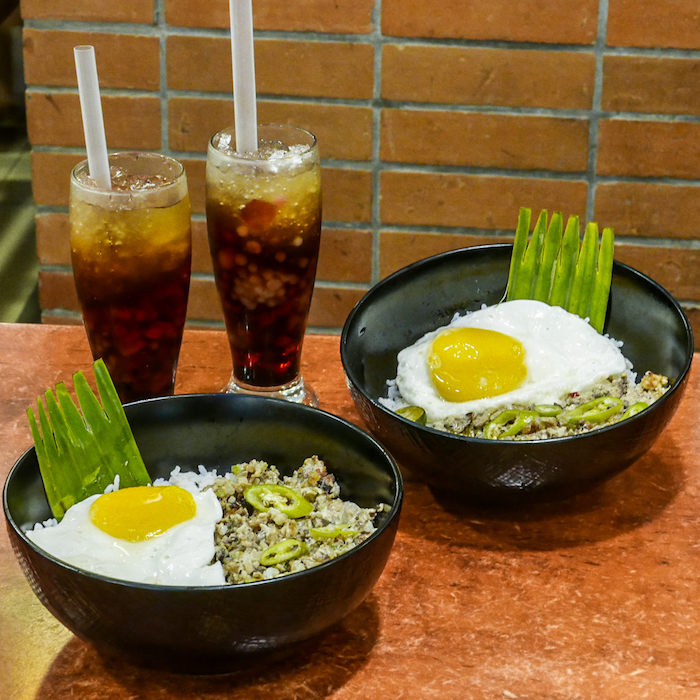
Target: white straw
{"points": [[242, 54], [91, 109]]}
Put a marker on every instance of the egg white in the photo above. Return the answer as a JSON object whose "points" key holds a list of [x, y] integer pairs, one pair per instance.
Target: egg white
{"points": [[563, 354], [181, 556]]}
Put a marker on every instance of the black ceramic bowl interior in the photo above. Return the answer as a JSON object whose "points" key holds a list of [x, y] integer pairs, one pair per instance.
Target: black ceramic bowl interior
{"points": [[425, 296], [216, 629]]}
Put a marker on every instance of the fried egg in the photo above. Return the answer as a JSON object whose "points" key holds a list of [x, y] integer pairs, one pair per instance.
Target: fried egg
{"points": [[161, 534], [518, 352]]}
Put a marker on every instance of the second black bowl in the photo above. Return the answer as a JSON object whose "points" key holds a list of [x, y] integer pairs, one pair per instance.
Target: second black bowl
{"points": [[215, 629], [425, 296]]}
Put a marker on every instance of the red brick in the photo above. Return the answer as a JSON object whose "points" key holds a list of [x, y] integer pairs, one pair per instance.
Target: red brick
{"points": [[350, 17], [203, 303], [57, 291], [484, 140], [342, 131], [135, 11], [675, 269], [651, 84], [53, 239], [192, 122], [654, 23], [473, 201], [398, 249], [345, 256], [114, 54], [311, 68], [183, 52], [51, 177], [196, 179], [560, 22], [201, 256], [694, 318], [649, 210], [347, 195], [475, 76], [54, 119], [648, 148], [330, 306]]}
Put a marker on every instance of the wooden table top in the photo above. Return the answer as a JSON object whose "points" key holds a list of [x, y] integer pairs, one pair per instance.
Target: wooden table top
{"points": [[597, 597]]}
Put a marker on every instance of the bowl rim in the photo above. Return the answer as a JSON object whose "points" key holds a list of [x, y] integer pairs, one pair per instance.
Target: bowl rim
{"points": [[394, 508], [511, 444]]}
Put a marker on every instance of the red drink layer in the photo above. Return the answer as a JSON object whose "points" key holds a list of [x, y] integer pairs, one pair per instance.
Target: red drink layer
{"points": [[135, 324], [265, 266]]}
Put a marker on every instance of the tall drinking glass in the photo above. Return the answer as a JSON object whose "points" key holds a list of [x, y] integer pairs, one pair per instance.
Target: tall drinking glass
{"points": [[264, 222], [131, 249]]}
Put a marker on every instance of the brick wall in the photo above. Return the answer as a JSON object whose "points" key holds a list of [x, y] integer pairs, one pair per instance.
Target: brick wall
{"points": [[436, 120]]}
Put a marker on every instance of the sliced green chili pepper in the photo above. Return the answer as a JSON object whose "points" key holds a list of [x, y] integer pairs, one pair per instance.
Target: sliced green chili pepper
{"points": [[265, 496], [329, 532], [503, 418], [548, 410], [524, 417], [634, 409], [286, 550], [596, 411], [414, 413], [519, 420]]}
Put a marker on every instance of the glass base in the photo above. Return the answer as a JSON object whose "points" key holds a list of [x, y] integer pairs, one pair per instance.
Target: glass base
{"points": [[297, 391]]}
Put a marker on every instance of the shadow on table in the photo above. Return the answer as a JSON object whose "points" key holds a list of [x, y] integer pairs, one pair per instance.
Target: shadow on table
{"points": [[312, 670], [631, 499]]}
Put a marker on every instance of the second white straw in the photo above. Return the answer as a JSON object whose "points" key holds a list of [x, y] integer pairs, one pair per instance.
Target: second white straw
{"points": [[243, 56], [93, 121]]}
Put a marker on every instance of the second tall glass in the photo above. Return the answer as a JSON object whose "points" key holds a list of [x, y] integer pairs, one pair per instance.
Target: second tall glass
{"points": [[264, 222]]}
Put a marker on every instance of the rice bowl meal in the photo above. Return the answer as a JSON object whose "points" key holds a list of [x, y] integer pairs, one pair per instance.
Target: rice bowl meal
{"points": [[453, 452], [519, 370], [537, 364], [201, 529], [220, 628]]}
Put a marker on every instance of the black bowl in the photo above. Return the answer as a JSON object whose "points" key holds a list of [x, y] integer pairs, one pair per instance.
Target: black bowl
{"points": [[217, 629], [426, 295]]}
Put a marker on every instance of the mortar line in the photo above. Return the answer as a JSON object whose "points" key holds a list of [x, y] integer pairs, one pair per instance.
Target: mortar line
{"points": [[429, 229], [560, 113], [162, 33], [596, 109], [376, 165], [432, 169], [135, 28]]}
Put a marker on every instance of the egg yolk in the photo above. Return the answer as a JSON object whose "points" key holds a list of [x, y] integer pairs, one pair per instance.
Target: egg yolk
{"points": [[142, 512], [474, 363]]}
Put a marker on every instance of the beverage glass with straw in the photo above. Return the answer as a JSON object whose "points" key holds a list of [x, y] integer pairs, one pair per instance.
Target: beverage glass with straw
{"points": [[130, 232], [264, 223]]}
